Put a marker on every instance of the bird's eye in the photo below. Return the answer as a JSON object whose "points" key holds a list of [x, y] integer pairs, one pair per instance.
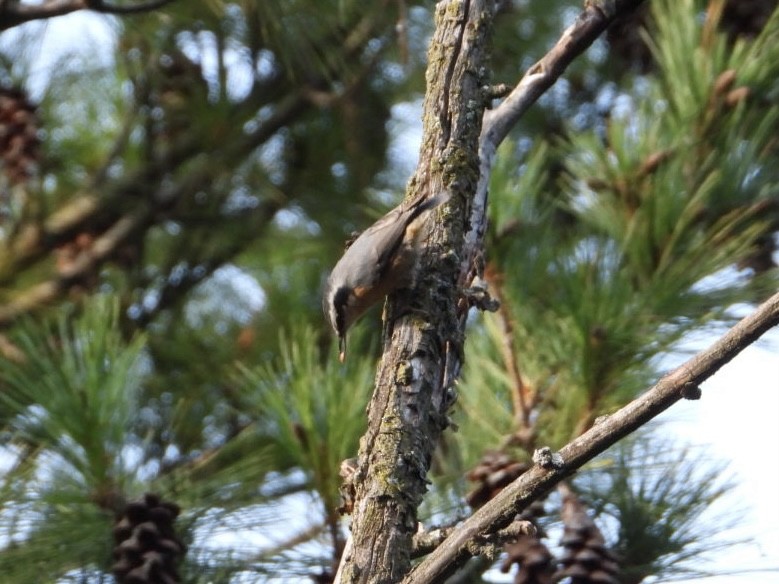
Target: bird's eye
{"points": [[340, 300]]}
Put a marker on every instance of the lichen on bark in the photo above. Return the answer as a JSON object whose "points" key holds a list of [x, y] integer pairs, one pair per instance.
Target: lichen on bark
{"points": [[408, 410]]}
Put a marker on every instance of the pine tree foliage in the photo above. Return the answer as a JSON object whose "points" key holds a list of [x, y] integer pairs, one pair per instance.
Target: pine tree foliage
{"points": [[609, 246], [314, 410], [649, 496], [204, 176], [69, 407], [637, 248]]}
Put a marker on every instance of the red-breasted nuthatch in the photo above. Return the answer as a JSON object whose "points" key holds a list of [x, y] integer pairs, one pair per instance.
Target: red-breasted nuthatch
{"points": [[381, 260]]}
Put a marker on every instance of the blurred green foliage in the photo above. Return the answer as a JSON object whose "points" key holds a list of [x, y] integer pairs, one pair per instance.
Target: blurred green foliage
{"points": [[219, 154]]}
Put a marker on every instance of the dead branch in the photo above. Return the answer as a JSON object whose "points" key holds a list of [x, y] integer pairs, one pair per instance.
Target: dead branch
{"points": [[679, 384], [591, 22]]}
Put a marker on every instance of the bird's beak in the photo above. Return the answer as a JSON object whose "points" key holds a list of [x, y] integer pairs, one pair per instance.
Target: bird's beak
{"points": [[342, 348]]}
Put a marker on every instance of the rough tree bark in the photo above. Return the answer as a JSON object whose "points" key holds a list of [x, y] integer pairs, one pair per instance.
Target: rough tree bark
{"points": [[424, 339], [423, 347], [408, 410]]}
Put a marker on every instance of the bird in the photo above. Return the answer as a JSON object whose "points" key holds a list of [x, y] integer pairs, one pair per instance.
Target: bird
{"points": [[381, 260]]}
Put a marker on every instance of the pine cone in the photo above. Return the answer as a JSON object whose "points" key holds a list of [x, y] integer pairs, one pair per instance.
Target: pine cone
{"points": [[586, 559], [533, 558], [494, 471], [746, 18], [761, 257], [147, 548], [19, 142]]}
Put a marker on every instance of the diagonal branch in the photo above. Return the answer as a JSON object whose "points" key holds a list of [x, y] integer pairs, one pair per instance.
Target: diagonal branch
{"points": [[34, 242], [577, 38], [15, 13], [100, 6], [520, 393], [594, 20], [86, 263], [682, 382]]}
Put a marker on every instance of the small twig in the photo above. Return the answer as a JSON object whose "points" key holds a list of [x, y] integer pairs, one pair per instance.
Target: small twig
{"points": [[668, 390], [502, 536], [401, 30], [519, 391], [425, 542]]}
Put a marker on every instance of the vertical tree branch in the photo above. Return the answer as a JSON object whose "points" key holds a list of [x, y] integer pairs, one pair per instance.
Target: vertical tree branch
{"points": [[408, 410], [423, 346]]}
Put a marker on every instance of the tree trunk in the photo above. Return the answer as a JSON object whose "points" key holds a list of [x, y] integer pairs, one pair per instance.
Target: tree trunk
{"points": [[423, 345]]}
